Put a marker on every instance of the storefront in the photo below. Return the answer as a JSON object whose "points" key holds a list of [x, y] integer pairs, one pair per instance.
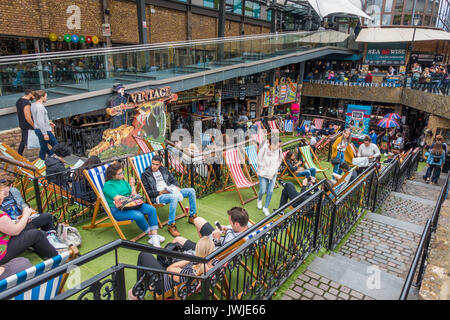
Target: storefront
{"points": [[379, 57]]}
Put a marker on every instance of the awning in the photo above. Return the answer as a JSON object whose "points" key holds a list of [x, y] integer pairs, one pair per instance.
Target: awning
{"points": [[343, 57], [400, 35], [326, 7]]}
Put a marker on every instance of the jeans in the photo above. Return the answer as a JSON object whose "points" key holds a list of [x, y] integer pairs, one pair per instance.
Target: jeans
{"points": [[266, 187], [435, 86], [289, 192], [311, 172], [44, 144], [138, 215], [173, 201], [340, 156], [434, 172], [23, 141]]}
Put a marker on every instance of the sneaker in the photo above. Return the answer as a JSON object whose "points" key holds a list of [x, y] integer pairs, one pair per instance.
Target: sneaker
{"points": [[260, 204], [161, 239], [192, 218], [55, 242], [282, 182], [266, 212], [173, 230], [154, 241]]}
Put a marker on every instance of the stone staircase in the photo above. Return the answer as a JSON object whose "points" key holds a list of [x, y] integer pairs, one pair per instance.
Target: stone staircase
{"points": [[374, 262]]}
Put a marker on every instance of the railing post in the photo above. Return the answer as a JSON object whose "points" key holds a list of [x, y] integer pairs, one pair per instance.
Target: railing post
{"points": [[119, 284], [37, 194], [316, 221], [333, 218], [424, 258]]}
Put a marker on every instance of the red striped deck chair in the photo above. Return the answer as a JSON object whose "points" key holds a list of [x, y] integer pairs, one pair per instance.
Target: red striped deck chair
{"points": [[273, 126], [318, 123], [177, 165], [239, 175], [142, 144], [259, 138]]}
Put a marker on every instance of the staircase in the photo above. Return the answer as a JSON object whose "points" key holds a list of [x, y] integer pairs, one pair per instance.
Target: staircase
{"points": [[373, 263]]}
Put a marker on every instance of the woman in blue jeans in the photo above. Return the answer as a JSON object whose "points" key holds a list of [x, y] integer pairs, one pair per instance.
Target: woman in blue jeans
{"points": [[339, 147], [42, 126], [297, 166], [269, 160], [115, 187]]}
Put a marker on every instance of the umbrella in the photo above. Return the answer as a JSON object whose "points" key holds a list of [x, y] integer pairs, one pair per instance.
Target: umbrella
{"points": [[387, 123], [394, 116]]}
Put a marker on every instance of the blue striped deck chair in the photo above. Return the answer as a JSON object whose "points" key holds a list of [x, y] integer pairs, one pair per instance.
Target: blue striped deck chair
{"points": [[96, 177], [342, 183], [206, 139], [289, 125], [139, 164], [47, 290], [252, 155]]}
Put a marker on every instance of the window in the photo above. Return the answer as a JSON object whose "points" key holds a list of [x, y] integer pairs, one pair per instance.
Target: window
{"points": [[407, 19], [397, 19], [427, 21], [269, 15], [249, 8], [214, 4], [409, 6], [386, 19], [398, 6], [388, 6], [429, 6], [256, 10], [234, 6]]}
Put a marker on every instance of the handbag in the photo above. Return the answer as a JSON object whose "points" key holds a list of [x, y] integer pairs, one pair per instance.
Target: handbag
{"points": [[68, 235], [131, 202], [165, 260], [33, 140], [336, 160], [360, 161]]}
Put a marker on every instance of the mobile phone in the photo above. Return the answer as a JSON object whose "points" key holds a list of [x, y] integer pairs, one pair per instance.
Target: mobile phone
{"points": [[217, 223]]}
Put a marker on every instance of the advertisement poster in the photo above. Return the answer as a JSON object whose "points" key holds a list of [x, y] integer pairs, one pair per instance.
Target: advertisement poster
{"points": [[286, 92], [357, 119], [386, 54]]}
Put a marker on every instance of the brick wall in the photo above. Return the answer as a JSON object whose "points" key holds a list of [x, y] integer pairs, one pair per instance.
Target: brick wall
{"points": [[167, 25], [12, 138], [435, 122]]}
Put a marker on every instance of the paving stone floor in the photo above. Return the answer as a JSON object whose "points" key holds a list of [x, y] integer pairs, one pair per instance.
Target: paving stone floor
{"points": [[312, 286]]}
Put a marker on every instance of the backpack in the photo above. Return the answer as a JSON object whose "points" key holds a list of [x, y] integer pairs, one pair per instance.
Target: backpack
{"points": [[166, 261], [68, 235]]}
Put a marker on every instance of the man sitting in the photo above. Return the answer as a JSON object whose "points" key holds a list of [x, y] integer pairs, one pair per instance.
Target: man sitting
{"points": [[238, 218], [345, 168], [162, 187], [289, 192]]}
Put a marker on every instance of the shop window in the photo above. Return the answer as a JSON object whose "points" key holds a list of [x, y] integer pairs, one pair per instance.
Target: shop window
{"points": [[256, 10], [398, 6], [430, 6], [427, 21], [407, 19], [386, 19]]}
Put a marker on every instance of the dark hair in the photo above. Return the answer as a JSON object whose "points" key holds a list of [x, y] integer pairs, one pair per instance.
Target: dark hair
{"points": [[39, 94], [90, 163], [27, 92], [288, 155], [239, 215], [367, 138], [111, 171], [6, 178], [158, 158], [345, 166], [61, 150]]}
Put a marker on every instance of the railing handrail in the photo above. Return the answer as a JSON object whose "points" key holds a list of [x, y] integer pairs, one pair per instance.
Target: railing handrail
{"points": [[134, 48]]}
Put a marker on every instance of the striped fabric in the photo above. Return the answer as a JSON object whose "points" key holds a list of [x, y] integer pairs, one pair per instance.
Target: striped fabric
{"points": [[45, 291], [97, 176], [318, 123], [206, 139], [156, 146], [256, 232], [142, 162], [234, 163], [307, 156], [6, 151], [142, 145], [288, 125], [40, 164], [341, 186], [177, 165], [252, 155], [273, 126], [284, 154], [305, 125], [259, 138]]}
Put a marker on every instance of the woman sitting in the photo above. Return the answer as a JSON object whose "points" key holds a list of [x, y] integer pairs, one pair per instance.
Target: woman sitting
{"points": [[183, 268], [115, 188], [297, 166], [18, 235]]}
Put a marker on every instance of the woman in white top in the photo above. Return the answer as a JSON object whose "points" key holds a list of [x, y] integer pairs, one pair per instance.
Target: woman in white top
{"points": [[269, 160], [369, 150], [42, 125]]}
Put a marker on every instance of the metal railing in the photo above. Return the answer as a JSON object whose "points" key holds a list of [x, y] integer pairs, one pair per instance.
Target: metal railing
{"points": [[252, 266], [422, 252]]}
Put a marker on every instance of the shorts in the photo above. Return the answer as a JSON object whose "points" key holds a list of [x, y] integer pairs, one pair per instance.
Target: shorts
{"points": [[205, 231]]}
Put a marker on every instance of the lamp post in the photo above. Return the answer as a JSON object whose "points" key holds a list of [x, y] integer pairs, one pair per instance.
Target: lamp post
{"points": [[415, 21]]}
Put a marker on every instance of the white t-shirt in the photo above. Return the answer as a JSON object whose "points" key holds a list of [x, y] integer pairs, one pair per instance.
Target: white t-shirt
{"points": [[160, 183], [313, 141]]}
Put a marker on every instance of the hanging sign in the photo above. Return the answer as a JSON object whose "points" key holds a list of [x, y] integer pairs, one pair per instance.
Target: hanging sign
{"points": [[386, 54]]}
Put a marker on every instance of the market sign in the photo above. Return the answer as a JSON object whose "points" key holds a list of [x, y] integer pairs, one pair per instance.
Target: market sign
{"points": [[386, 54]]}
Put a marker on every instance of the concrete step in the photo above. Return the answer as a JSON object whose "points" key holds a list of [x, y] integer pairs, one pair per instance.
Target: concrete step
{"points": [[359, 276]]}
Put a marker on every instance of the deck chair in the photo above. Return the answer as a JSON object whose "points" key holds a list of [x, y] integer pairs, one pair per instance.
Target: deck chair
{"points": [[251, 153], [342, 183], [239, 175], [287, 173], [304, 126], [318, 123], [96, 178], [47, 290], [273, 126], [259, 138], [142, 144], [206, 139], [311, 160], [139, 163], [177, 166]]}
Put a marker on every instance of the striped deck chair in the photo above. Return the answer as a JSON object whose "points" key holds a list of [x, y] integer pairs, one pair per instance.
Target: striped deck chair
{"points": [[47, 290], [142, 144], [311, 160], [139, 163], [96, 177], [304, 126], [251, 153], [287, 173], [156, 146], [318, 123], [342, 183], [239, 175], [259, 138], [273, 126], [288, 125], [206, 139]]}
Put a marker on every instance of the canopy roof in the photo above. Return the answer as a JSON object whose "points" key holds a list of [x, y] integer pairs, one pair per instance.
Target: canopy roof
{"points": [[326, 7], [326, 36], [400, 35]]}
